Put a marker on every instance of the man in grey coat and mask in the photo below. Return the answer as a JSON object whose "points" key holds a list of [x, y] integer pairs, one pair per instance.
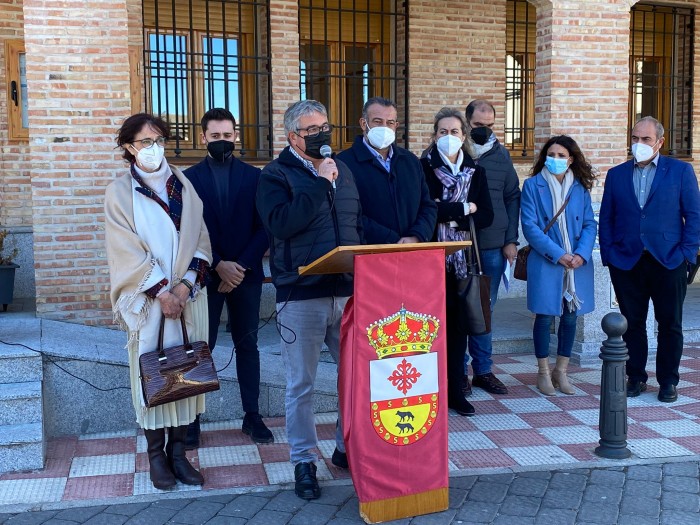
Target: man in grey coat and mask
{"points": [[498, 242]]}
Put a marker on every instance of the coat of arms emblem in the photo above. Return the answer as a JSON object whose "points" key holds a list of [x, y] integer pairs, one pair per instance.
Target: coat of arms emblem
{"points": [[404, 378]]}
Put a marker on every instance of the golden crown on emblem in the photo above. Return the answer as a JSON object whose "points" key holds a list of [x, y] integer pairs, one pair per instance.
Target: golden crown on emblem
{"points": [[402, 333]]}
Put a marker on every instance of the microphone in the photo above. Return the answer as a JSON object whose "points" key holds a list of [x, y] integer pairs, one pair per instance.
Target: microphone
{"points": [[326, 151]]}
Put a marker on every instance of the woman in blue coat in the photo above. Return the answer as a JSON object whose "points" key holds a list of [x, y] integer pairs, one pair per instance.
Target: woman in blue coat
{"points": [[559, 269]]}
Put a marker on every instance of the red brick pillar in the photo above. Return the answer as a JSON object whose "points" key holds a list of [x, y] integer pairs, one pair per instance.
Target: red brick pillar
{"points": [[78, 82], [582, 76], [284, 49]]}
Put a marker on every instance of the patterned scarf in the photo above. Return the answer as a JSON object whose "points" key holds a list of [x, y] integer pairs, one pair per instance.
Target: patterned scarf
{"points": [[455, 188]]}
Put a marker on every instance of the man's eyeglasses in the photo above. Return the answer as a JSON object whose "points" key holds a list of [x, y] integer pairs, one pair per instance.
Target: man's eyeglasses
{"points": [[147, 143], [313, 131]]}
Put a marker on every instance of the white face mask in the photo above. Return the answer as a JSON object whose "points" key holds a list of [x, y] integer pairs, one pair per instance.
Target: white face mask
{"points": [[381, 137], [151, 158], [449, 145], [642, 152]]}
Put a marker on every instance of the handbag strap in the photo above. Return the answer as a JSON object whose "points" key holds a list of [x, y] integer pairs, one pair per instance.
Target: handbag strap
{"points": [[185, 339], [551, 223], [475, 244]]}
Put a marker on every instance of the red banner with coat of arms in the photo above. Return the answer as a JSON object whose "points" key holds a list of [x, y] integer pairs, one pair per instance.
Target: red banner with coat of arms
{"points": [[392, 383]]}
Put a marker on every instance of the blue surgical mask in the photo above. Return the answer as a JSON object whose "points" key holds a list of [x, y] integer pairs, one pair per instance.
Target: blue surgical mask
{"points": [[556, 166]]}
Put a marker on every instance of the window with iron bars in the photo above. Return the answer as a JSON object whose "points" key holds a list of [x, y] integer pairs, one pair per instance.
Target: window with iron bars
{"points": [[350, 51], [200, 54], [661, 72], [521, 49]]}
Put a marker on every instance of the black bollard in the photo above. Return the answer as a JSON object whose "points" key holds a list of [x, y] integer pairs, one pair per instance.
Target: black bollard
{"points": [[613, 391]]}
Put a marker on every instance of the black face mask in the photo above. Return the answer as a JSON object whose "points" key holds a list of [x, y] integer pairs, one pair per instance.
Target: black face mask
{"points": [[481, 135], [221, 150], [313, 144]]}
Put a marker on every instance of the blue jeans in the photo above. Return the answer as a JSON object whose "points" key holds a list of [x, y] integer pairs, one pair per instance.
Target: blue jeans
{"points": [[566, 334], [479, 346], [305, 326]]}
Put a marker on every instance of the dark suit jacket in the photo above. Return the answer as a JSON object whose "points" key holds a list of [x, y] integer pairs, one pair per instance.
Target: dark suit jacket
{"points": [[236, 234], [395, 204], [668, 225]]}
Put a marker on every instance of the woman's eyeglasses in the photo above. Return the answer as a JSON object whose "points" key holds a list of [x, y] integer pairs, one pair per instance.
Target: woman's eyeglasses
{"points": [[147, 143]]}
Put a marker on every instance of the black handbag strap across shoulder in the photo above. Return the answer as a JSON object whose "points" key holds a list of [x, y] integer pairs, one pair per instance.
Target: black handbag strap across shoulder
{"points": [[551, 223], [474, 247]]}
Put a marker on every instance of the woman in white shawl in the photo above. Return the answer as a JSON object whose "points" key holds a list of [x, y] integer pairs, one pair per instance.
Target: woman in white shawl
{"points": [[559, 267], [159, 254]]}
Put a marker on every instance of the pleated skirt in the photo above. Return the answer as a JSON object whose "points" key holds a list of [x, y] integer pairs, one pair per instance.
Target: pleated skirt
{"points": [[181, 412]]}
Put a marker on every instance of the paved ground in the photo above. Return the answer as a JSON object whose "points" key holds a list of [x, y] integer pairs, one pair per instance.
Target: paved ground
{"points": [[659, 493]]}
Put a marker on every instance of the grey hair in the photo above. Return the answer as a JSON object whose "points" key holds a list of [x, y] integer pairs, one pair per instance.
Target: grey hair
{"points": [[385, 102], [657, 124], [301, 109]]}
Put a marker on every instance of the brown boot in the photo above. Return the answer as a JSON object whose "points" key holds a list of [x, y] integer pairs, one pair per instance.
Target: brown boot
{"points": [[544, 378], [559, 379], [177, 459], [161, 475]]}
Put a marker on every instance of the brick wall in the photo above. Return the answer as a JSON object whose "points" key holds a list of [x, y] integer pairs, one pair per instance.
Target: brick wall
{"points": [[456, 54], [79, 75], [78, 78]]}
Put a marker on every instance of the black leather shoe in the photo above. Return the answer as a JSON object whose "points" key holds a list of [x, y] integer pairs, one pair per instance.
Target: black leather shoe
{"points": [[253, 426], [461, 406], [635, 387], [466, 386], [306, 484], [668, 394], [490, 383], [339, 459]]}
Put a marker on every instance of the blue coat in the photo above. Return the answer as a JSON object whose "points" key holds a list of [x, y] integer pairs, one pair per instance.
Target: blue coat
{"points": [[545, 276], [668, 225]]}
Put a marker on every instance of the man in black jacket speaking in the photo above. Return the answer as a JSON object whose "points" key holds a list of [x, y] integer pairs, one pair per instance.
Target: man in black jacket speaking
{"points": [[308, 205], [396, 203]]}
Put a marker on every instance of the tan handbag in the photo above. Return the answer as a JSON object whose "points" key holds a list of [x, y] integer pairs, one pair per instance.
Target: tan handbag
{"points": [[520, 270], [178, 372]]}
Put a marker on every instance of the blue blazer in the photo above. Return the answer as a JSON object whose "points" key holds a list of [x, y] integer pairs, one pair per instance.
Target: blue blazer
{"points": [[668, 225], [236, 234], [545, 276]]}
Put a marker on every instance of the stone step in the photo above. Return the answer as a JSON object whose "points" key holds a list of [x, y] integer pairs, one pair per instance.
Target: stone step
{"points": [[21, 447], [20, 403], [17, 363]]}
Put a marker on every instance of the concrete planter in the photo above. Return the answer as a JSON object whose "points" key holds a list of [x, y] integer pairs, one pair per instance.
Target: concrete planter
{"points": [[7, 284]]}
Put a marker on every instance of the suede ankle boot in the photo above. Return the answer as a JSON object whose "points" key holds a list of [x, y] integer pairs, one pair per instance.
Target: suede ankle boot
{"points": [[559, 378], [544, 377], [161, 475], [177, 459]]}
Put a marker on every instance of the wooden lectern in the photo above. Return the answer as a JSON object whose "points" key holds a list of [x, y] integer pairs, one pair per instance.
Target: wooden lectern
{"points": [[392, 379]]}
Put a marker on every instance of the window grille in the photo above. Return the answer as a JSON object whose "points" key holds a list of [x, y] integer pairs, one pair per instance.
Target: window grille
{"points": [[521, 26], [351, 50], [200, 54], [661, 72]]}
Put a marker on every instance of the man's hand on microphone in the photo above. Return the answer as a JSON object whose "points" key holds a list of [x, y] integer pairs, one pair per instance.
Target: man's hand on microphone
{"points": [[328, 170]]}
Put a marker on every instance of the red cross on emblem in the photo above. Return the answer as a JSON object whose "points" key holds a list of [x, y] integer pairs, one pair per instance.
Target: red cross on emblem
{"points": [[404, 376]]}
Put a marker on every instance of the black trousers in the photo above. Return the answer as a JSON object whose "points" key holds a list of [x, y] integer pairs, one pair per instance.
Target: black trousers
{"points": [[457, 339], [650, 280], [243, 303]]}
